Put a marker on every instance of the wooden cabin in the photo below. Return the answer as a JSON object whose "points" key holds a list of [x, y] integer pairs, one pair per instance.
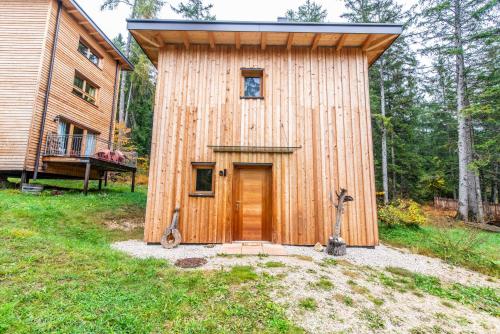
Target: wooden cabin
{"points": [[59, 77], [257, 126]]}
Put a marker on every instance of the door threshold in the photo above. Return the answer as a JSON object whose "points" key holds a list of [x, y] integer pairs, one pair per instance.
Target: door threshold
{"points": [[252, 242], [254, 248]]}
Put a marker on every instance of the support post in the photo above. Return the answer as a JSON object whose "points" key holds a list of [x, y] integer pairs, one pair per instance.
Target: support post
{"points": [[86, 180], [133, 181], [100, 183], [105, 179], [24, 177]]}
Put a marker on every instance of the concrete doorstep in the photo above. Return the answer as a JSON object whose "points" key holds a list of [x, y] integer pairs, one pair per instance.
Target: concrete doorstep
{"points": [[253, 248]]}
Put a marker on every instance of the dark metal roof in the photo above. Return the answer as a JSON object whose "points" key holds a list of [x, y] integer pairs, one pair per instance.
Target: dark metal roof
{"points": [[103, 35], [255, 26]]}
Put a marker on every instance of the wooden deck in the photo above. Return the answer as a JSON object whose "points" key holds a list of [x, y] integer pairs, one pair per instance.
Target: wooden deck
{"points": [[87, 168]]}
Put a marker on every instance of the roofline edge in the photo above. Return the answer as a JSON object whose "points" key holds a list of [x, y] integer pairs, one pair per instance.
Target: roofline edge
{"points": [[106, 38]]}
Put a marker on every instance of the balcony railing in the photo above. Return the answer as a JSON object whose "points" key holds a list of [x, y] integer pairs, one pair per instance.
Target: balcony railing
{"points": [[88, 146]]}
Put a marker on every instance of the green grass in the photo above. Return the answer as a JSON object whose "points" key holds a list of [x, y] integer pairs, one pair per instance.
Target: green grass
{"points": [[274, 264], [471, 248], [322, 284], [58, 274], [482, 298], [308, 303]]}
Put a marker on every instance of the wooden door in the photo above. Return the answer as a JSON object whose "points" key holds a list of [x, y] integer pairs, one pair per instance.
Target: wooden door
{"points": [[252, 198]]}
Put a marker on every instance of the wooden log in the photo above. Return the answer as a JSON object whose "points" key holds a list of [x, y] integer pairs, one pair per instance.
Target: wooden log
{"points": [[336, 245], [172, 237]]}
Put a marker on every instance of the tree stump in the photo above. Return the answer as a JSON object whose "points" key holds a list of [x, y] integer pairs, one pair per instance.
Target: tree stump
{"points": [[336, 246]]}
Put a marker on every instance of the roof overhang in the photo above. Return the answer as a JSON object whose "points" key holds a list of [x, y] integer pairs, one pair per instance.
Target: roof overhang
{"points": [[79, 14], [374, 38]]}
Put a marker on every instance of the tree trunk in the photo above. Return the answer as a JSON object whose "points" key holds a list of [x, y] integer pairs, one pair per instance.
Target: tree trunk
{"points": [[384, 134], [463, 133], [494, 198], [128, 104], [469, 195], [123, 80], [336, 245], [393, 161]]}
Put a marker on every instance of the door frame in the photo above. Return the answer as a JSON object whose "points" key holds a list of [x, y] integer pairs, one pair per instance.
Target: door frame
{"points": [[235, 182]]}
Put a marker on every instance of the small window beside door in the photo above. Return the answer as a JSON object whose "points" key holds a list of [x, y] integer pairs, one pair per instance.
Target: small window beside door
{"points": [[84, 89], [252, 83], [203, 179]]}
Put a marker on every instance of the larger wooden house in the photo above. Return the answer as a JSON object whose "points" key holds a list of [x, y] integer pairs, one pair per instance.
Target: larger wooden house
{"points": [[58, 91], [257, 125]]}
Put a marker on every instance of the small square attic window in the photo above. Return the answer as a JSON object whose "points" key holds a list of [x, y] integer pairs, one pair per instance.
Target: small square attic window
{"points": [[253, 82]]}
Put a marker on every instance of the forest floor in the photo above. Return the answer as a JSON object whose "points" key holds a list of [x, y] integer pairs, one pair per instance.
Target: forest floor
{"points": [[59, 272]]}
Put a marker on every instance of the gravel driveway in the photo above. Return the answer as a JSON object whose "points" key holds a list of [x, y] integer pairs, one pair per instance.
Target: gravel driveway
{"points": [[347, 294]]}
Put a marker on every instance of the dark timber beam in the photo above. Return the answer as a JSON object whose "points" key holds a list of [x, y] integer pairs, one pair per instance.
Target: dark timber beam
{"points": [[86, 180], [133, 182]]}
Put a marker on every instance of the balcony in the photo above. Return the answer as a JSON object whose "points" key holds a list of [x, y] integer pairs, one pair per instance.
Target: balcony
{"points": [[88, 146], [86, 156]]}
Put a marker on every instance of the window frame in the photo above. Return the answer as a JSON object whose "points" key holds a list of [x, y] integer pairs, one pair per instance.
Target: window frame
{"points": [[82, 92], [202, 165], [90, 51], [252, 73]]}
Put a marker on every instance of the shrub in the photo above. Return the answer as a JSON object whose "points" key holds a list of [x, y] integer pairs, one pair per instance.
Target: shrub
{"points": [[402, 212]]}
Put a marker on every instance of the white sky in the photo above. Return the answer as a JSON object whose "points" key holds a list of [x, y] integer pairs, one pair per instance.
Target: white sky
{"points": [[113, 22]]}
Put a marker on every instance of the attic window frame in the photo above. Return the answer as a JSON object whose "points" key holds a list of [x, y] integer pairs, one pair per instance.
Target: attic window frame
{"points": [[90, 51], [200, 193], [252, 73]]}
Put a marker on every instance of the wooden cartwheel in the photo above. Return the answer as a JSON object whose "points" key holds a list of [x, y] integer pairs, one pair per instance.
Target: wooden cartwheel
{"points": [[172, 237]]}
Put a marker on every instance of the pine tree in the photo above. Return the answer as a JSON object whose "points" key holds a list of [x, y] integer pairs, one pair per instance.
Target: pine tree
{"points": [[310, 11], [449, 27], [366, 11], [138, 9], [194, 10]]}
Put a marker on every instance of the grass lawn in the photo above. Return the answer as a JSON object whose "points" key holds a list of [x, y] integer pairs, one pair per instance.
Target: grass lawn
{"points": [[471, 248], [58, 274]]}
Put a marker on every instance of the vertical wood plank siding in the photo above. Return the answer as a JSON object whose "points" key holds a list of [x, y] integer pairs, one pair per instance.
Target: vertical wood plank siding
{"points": [[317, 100], [22, 42]]}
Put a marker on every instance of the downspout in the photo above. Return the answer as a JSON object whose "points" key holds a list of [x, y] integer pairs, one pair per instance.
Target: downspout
{"points": [[47, 92], [113, 111]]}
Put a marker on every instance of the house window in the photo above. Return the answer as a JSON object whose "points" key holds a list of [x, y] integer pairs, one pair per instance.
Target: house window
{"points": [[89, 53], [253, 80], [84, 89], [203, 179]]}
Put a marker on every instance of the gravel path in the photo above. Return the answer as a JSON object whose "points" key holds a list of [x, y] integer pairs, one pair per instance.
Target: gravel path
{"points": [[380, 257], [355, 300]]}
